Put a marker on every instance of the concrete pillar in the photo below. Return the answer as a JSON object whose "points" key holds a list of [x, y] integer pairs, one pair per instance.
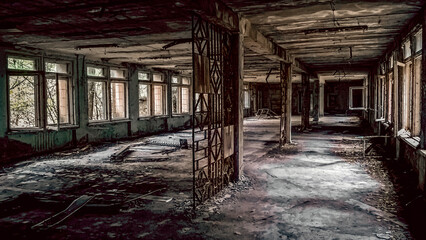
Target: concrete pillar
{"points": [[133, 99], [306, 105], [238, 68], [423, 88], [285, 121], [321, 96], [3, 95], [315, 113], [81, 99]]}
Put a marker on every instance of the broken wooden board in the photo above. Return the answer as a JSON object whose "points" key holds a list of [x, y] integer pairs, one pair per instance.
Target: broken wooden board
{"points": [[156, 198], [121, 153], [144, 195], [56, 219]]}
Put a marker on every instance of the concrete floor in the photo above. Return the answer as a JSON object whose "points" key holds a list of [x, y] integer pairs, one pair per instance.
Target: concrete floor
{"points": [[314, 189]]}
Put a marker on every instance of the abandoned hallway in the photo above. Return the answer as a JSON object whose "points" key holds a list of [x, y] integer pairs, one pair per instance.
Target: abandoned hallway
{"points": [[316, 188], [212, 119]]}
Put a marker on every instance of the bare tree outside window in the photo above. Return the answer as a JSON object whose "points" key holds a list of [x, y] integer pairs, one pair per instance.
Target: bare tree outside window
{"points": [[97, 100], [175, 100], [144, 103], [52, 103], [22, 101], [20, 64]]}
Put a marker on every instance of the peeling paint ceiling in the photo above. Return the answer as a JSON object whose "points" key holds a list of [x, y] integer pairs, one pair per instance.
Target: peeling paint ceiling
{"points": [[324, 35], [330, 35]]}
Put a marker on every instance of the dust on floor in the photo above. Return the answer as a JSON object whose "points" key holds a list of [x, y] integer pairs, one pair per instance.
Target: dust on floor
{"points": [[317, 188]]}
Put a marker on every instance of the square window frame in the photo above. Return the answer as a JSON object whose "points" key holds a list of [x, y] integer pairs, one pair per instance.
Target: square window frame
{"points": [[72, 114]]}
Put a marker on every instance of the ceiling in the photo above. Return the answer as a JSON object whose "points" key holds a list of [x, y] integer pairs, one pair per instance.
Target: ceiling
{"points": [[115, 31], [326, 36]]}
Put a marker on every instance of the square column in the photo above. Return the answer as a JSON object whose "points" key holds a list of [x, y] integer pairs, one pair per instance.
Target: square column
{"points": [[306, 105], [285, 121]]}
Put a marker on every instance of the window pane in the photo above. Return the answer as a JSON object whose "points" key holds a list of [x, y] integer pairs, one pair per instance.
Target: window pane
{"points": [[357, 98], [20, 64], [144, 100], [417, 96], [52, 105], [115, 73], [185, 80], [95, 72], [144, 76], [22, 101], [64, 109], [175, 100], [57, 67], [419, 41], [158, 100], [406, 96], [175, 80], [246, 99], [97, 102], [118, 99], [185, 100], [407, 49], [157, 77], [390, 96]]}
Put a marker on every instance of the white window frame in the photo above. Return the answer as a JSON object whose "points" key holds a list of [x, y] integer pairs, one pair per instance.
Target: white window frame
{"points": [[380, 98], [124, 80], [351, 98], [108, 81], [151, 91], [69, 75], [38, 91], [179, 85]]}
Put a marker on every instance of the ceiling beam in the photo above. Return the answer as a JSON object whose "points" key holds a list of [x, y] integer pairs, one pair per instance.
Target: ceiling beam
{"points": [[258, 43]]}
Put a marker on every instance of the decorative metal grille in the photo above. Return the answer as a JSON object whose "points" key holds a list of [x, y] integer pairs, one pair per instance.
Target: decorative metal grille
{"points": [[213, 151]]}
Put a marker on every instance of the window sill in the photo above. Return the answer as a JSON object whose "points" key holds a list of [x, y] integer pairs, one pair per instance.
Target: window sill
{"points": [[422, 153], [100, 123], [152, 117], [181, 114], [65, 126], [24, 130], [405, 136]]}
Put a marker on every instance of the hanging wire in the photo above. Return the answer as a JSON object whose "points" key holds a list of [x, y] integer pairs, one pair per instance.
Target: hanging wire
{"points": [[333, 9]]}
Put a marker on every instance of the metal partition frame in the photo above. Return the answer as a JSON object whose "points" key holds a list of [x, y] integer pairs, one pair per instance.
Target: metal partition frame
{"points": [[213, 110]]}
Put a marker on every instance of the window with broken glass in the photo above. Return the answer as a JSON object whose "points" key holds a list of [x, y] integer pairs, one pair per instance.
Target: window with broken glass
{"points": [[380, 98], [180, 95], [37, 97], [24, 93], [107, 93], [411, 85], [97, 93], [58, 93], [144, 94], [152, 94]]}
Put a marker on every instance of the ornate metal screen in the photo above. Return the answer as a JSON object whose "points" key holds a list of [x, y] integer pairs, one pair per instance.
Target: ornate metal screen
{"points": [[213, 129]]}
